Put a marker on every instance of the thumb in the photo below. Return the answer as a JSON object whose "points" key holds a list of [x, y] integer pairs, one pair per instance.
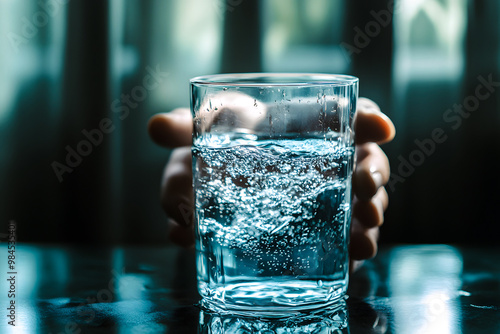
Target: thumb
{"points": [[173, 129]]}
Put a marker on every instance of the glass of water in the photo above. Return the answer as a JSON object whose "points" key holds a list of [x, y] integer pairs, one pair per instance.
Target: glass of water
{"points": [[273, 157]]}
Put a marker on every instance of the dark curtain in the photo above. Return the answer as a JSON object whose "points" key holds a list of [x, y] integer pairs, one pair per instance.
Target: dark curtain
{"points": [[91, 53]]}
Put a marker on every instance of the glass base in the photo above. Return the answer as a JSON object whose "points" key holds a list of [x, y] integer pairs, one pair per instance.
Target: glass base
{"points": [[272, 298], [333, 319]]}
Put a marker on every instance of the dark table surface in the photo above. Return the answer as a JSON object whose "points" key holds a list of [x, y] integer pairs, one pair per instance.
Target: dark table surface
{"points": [[405, 289]]}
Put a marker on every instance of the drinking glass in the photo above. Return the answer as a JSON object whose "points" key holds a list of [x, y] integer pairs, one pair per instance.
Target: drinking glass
{"points": [[273, 157]]}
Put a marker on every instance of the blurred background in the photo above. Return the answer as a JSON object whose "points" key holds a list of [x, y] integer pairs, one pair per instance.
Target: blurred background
{"points": [[80, 79]]}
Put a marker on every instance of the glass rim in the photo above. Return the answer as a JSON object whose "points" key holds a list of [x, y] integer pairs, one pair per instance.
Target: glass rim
{"points": [[274, 79]]}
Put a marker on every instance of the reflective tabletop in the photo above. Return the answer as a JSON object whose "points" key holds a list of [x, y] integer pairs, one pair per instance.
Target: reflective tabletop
{"points": [[404, 289]]}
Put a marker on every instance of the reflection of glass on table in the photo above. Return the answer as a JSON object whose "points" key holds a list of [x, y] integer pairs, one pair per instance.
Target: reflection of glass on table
{"points": [[328, 320]]}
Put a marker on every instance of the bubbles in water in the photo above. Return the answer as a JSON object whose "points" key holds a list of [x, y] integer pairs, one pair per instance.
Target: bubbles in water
{"points": [[272, 209]]}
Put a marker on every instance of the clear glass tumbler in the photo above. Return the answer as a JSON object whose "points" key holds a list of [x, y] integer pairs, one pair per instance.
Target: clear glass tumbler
{"points": [[273, 156]]}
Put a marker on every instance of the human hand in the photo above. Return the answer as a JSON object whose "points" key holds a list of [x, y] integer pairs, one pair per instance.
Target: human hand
{"points": [[174, 130]]}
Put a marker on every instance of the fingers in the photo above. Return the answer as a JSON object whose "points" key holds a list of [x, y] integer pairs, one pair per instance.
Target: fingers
{"points": [[372, 171], [172, 129], [363, 243], [180, 235], [177, 190], [367, 216], [371, 125], [354, 265], [238, 111], [175, 129], [371, 213], [370, 200]]}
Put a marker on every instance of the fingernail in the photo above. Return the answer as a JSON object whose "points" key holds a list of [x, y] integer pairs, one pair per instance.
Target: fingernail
{"points": [[176, 116]]}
